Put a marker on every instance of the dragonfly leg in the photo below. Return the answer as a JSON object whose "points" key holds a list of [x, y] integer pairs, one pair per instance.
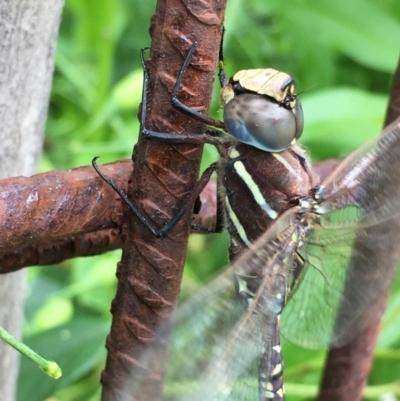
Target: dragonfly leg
{"points": [[188, 203], [193, 138], [211, 137], [223, 80]]}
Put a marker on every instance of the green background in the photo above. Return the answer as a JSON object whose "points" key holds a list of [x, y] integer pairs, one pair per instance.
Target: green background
{"points": [[342, 55]]}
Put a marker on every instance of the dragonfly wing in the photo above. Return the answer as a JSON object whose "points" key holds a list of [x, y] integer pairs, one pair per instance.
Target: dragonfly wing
{"points": [[368, 180], [201, 326], [349, 256], [248, 356], [216, 347]]}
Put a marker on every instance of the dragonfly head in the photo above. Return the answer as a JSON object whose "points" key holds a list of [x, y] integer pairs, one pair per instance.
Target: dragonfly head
{"points": [[261, 109]]}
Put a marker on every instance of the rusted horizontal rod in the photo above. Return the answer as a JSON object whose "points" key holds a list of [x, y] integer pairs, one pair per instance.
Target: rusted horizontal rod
{"points": [[46, 237], [56, 205], [44, 247]]}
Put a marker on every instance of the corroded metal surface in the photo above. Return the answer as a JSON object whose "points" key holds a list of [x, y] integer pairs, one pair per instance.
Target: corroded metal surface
{"points": [[57, 251], [52, 206], [150, 271], [48, 242]]}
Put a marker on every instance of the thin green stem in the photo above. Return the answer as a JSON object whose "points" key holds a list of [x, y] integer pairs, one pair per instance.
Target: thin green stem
{"points": [[48, 366]]}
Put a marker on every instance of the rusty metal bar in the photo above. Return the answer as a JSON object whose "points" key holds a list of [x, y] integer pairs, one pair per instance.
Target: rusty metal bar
{"points": [[150, 271], [53, 206], [34, 244]]}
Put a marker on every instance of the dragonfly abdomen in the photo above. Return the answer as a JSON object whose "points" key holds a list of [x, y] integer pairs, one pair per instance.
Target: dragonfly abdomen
{"points": [[257, 187], [271, 387]]}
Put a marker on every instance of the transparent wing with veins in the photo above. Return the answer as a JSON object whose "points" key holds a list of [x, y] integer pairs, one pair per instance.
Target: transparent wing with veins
{"points": [[216, 345], [350, 248]]}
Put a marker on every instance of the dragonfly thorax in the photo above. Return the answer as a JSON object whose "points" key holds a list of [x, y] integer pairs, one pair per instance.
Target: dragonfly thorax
{"points": [[256, 187]]}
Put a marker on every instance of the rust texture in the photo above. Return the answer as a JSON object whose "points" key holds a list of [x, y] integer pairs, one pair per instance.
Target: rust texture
{"points": [[347, 368], [208, 212], [40, 249], [57, 251], [52, 206], [150, 271]]}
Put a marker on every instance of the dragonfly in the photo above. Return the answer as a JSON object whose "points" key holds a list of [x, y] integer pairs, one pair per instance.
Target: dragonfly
{"points": [[294, 243]]}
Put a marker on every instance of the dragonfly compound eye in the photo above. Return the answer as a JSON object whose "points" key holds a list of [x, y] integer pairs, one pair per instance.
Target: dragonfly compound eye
{"points": [[262, 123]]}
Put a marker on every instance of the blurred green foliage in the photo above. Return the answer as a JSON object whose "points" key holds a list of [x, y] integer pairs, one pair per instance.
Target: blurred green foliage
{"points": [[342, 55]]}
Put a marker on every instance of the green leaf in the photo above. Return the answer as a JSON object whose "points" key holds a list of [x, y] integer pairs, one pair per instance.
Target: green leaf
{"points": [[61, 310], [339, 120], [361, 29], [127, 93]]}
